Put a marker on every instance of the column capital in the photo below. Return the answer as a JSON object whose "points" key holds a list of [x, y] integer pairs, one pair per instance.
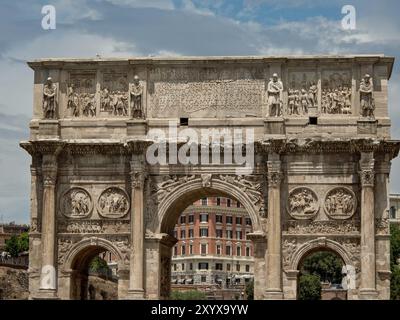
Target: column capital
{"points": [[138, 178]]}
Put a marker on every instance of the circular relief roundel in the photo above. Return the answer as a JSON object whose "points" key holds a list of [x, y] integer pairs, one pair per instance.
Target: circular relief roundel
{"points": [[113, 203], [76, 203], [340, 203], [302, 203]]}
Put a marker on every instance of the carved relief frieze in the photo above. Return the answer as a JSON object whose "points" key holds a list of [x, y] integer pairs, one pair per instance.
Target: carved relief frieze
{"points": [[113, 203], [340, 203], [302, 93], [323, 227], [81, 95], [302, 203], [336, 92], [114, 96], [76, 203], [206, 92]]}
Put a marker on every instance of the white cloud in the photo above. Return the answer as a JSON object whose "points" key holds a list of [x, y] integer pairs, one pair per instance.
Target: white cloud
{"points": [[157, 4]]}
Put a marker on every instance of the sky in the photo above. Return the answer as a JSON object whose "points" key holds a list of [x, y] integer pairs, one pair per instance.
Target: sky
{"points": [[125, 28]]}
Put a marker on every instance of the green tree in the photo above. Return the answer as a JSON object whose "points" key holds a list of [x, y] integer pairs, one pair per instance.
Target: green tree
{"points": [[394, 267], [327, 265], [394, 244], [23, 242], [395, 283], [309, 287], [250, 290], [187, 295], [12, 246], [98, 265]]}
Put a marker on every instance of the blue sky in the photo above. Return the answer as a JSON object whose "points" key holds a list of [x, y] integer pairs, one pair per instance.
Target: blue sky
{"points": [[120, 28]]}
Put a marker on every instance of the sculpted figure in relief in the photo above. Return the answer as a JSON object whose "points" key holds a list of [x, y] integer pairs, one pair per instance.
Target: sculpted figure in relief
{"points": [[275, 89], [302, 203], [113, 201], [340, 202], [366, 98], [136, 96], [49, 99], [76, 203]]}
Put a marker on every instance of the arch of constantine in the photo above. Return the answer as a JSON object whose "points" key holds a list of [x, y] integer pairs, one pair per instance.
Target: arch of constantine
{"points": [[319, 166]]}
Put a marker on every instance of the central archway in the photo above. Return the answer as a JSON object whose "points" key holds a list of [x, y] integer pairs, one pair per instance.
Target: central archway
{"points": [[176, 202]]}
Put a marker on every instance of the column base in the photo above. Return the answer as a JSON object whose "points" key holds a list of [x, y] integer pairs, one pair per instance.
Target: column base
{"points": [[135, 294], [45, 294], [368, 294], [273, 294]]}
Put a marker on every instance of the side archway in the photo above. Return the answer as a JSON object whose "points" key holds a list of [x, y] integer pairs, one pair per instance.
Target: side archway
{"points": [[74, 271]]}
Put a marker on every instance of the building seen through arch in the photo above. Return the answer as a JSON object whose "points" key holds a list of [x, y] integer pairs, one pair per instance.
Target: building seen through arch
{"points": [[213, 253]]}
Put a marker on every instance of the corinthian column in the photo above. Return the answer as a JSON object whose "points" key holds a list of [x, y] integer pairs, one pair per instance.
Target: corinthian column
{"points": [[274, 237], [48, 285], [368, 274], [136, 288]]}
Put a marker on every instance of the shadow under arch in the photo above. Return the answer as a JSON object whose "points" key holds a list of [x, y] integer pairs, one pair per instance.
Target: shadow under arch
{"points": [[176, 202], [78, 259]]}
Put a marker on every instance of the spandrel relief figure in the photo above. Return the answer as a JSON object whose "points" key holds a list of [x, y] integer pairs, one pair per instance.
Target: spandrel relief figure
{"points": [[366, 99], [136, 98], [49, 99], [275, 89]]}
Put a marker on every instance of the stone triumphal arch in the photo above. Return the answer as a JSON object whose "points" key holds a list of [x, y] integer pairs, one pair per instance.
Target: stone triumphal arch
{"points": [[318, 179]]}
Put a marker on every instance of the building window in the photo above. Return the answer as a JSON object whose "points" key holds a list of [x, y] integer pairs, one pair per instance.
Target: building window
{"points": [[228, 219], [238, 251], [237, 204], [175, 250], [228, 202], [175, 234], [183, 250], [218, 218], [247, 268], [203, 248], [218, 201], [248, 222], [204, 202], [191, 218], [238, 267], [203, 279], [204, 217], [229, 234], [183, 234], [203, 266], [228, 250], [228, 267], [203, 232], [174, 266], [190, 266], [218, 266], [183, 266], [218, 233], [190, 249], [219, 249], [191, 233], [392, 213], [238, 234], [247, 251], [238, 220], [183, 219]]}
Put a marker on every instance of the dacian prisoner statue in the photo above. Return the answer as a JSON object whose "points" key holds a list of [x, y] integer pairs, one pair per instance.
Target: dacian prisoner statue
{"points": [[49, 99], [275, 89], [136, 95], [366, 97]]}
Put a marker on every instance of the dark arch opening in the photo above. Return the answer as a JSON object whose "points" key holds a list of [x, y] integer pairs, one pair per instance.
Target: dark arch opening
{"points": [[92, 278]]}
